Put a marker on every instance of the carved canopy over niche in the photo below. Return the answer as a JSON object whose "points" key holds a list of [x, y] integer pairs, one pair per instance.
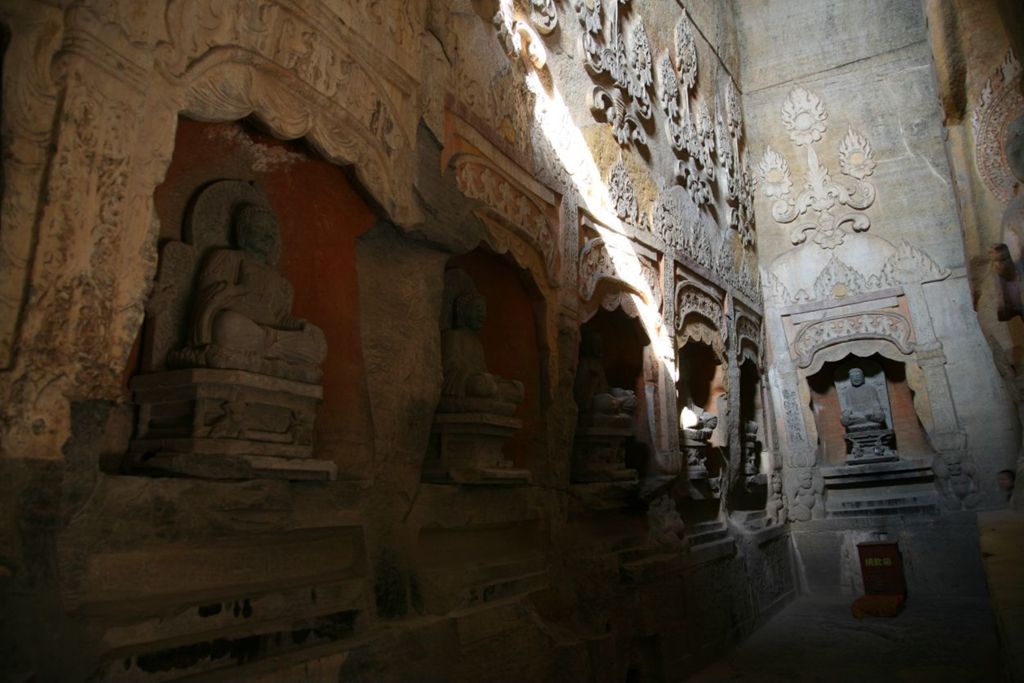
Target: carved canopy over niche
{"points": [[277, 61], [617, 272], [520, 213], [748, 337], [700, 315]]}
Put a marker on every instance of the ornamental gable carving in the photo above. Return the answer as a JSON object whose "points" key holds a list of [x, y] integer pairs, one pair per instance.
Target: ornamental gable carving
{"points": [[905, 264]]}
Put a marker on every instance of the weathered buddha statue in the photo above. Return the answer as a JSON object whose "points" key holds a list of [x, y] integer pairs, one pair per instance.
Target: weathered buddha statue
{"points": [[468, 386], [242, 312], [594, 396], [863, 409]]}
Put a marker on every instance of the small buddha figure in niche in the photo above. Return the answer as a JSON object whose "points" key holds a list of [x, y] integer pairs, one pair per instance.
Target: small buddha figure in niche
{"points": [[594, 396], [864, 408], [468, 386], [864, 411], [242, 313]]}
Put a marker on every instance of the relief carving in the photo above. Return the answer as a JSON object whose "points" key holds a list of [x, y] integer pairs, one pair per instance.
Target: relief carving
{"points": [[815, 336], [999, 103], [607, 51], [630, 272], [328, 85], [524, 213], [819, 205]]}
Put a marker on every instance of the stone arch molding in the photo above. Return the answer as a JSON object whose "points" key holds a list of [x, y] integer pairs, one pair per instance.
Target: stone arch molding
{"points": [[840, 331], [300, 81], [117, 77]]}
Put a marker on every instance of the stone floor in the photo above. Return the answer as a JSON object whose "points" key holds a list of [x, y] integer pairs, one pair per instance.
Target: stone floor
{"points": [[817, 640], [1003, 554]]}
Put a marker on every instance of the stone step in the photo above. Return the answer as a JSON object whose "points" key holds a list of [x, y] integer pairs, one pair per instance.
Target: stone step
{"points": [[892, 504], [749, 517], [711, 551], [707, 532]]}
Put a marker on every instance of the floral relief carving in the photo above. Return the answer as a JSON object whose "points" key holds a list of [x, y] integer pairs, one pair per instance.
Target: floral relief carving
{"points": [[825, 205], [817, 335], [711, 164], [629, 65], [803, 116], [623, 195]]}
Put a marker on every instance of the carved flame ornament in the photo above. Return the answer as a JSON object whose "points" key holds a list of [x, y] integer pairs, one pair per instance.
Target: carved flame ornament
{"points": [[826, 205]]}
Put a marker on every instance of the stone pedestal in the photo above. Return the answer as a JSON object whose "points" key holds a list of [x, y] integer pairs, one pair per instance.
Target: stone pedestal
{"points": [[870, 445], [227, 424], [467, 449], [896, 486], [598, 449]]}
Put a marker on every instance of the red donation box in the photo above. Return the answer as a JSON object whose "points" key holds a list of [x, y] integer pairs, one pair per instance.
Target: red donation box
{"points": [[885, 588]]}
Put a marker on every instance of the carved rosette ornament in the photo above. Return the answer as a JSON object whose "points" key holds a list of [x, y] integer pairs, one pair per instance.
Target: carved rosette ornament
{"points": [[1000, 103], [826, 205], [629, 65]]}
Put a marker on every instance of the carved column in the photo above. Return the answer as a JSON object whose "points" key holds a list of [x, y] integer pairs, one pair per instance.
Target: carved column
{"points": [[88, 281]]}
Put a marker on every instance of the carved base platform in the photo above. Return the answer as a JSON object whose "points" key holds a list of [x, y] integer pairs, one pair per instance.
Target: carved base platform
{"points": [[870, 445], [235, 466], [226, 424], [467, 449], [598, 452], [893, 486]]}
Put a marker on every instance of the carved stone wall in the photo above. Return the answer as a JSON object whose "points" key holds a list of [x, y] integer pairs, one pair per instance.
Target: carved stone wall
{"points": [[858, 231], [579, 155]]}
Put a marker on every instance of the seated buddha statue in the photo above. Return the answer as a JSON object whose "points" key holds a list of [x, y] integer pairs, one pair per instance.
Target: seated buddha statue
{"points": [[864, 409], [468, 387], [594, 396], [242, 311]]}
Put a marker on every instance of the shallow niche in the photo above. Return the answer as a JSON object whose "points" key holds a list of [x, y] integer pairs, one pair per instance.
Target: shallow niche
{"points": [[489, 424], [608, 390], [752, 486], [702, 396], [250, 364], [901, 435]]}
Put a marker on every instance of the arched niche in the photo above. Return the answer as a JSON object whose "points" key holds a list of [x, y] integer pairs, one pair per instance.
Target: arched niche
{"points": [[892, 375], [514, 341], [320, 213], [702, 382], [610, 443], [751, 493]]}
